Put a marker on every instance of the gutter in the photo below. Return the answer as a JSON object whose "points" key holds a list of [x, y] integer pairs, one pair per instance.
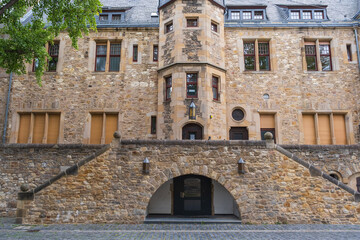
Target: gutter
{"points": [[357, 47], [7, 108]]}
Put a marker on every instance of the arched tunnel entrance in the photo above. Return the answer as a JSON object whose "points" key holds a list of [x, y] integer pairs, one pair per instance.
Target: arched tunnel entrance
{"points": [[193, 196]]}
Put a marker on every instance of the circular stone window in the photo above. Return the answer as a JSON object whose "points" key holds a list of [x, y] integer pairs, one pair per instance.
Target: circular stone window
{"points": [[238, 114]]}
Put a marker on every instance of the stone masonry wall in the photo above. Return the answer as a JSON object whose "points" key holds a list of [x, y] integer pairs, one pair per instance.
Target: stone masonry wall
{"points": [[112, 187], [33, 164], [4, 86]]}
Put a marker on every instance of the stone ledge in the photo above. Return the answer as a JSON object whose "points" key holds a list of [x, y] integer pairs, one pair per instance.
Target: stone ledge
{"points": [[261, 144], [320, 147], [54, 146]]}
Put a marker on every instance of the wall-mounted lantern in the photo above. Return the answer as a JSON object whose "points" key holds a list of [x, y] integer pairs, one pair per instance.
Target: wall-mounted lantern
{"points": [[241, 166], [192, 110], [146, 166]]}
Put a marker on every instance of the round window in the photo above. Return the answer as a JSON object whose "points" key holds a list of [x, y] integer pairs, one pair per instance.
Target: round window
{"points": [[238, 114]]}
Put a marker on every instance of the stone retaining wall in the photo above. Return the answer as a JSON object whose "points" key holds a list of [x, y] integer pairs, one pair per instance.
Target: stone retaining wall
{"points": [[33, 164], [112, 188]]}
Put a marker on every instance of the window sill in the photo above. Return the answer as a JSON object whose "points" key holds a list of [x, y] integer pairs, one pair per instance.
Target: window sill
{"points": [[187, 98], [320, 72], [45, 73], [105, 73], [216, 101], [258, 72]]}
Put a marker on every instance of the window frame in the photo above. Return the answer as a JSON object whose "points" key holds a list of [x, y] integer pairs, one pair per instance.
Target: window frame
{"points": [[215, 87], [317, 43], [214, 27], [264, 55], [312, 14], [241, 12], [192, 83], [135, 53], [326, 55], [103, 128], [250, 55], [53, 56], [113, 55], [155, 53], [190, 19], [96, 56], [168, 85], [312, 55], [153, 125], [169, 27], [349, 52]]}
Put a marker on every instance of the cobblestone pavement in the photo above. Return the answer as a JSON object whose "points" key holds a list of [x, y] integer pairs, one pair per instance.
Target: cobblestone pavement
{"points": [[177, 231]]}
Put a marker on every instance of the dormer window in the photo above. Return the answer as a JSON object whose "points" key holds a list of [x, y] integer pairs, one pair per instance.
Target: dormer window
{"points": [[246, 13], [306, 12], [104, 18], [112, 16]]}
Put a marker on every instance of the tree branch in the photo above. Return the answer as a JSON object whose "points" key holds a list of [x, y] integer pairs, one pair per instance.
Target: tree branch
{"points": [[7, 6]]}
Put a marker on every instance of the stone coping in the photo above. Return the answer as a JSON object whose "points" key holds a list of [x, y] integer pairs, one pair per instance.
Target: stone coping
{"points": [[53, 146], [320, 147], [195, 142]]}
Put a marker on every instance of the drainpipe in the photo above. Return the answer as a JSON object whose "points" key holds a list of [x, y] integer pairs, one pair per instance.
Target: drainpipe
{"points": [[357, 47], [7, 108]]}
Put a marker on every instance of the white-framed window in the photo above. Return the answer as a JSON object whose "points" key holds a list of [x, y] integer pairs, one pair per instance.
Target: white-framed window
{"points": [[307, 14]]}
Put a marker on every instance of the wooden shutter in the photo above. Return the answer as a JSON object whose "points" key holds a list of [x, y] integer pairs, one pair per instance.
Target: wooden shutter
{"points": [[24, 128], [340, 129], [53, 128], [96, 128], [309, 129], [110, 127], [267, 121], [324, 129], [39, 127]]}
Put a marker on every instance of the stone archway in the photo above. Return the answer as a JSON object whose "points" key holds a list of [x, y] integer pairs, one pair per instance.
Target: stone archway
{"points": [[192, 131], [192, 195]]}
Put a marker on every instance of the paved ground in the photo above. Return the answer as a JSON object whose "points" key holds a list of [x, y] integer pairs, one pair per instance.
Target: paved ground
{"points": [[178, 231]]}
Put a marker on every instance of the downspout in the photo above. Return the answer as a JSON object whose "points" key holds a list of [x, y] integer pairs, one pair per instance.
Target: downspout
{"points": [[357, 47], [7, 108]]}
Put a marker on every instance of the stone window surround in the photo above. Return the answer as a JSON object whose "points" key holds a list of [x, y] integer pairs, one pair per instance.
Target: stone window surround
{"points": [[166, 99], [273, 65], [278, 135], [337, 174], [218, 100], [252, 10], [167, 27], [16, 123], [108, 42], [87, 129], [92, 54], [353, 52], [30, 67], [334, 59], [217, 27], [189, 18], [348, 126]]}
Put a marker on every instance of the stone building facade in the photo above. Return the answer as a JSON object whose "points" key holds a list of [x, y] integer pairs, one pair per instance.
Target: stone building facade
{"points": [[201, 70]]}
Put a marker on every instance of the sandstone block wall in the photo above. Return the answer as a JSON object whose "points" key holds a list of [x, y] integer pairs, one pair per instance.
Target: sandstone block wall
{"points": [[112, 188], [33, 164]]}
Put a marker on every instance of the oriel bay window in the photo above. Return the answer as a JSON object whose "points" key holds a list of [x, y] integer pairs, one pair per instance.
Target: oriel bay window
{"points": [[324, 129], [108, 55], [318, 56], [191, 85], [257, 56], [39, 127], [103, 126]]}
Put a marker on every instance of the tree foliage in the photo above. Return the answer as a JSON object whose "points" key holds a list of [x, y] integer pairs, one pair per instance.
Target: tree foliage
{"points": [[22, 43]]}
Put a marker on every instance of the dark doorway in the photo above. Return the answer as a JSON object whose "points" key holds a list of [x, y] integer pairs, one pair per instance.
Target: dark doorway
{"points": [[192, 131], [239, 133], [192, 195]]}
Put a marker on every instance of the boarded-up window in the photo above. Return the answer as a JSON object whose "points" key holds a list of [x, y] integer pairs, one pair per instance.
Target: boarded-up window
{"points": [[324, 129], [101, 133], [24, 128], [267, 124], [309, 129], [33, 126], [340, 129]]}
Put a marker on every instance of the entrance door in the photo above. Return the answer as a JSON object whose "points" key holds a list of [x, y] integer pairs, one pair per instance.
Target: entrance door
{"points": [[192, 132], [192, 195], [239, 133]]}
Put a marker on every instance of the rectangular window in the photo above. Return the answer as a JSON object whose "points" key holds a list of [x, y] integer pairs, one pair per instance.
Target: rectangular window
{"points": [[349, 52], [135, 53], [310, 52], [103, 126], [191, 85], [116, 18], [215, 88], [306, 15], [115, 53], [295, 14], [214, 27], [54, 54], [155, 53], [267, 124], [326, 132], [325, 56], [235, 15], [246, 15], [249, 56], [318, 14], [168, 90], [101, 50], [35, 64], [169, 27], [264, 56], [153, 124], [104, 18], [258, 15], [191, 22], [39, 132]]}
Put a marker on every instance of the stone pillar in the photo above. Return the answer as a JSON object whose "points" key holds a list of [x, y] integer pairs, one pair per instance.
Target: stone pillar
{"points": [[24, 199]]}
